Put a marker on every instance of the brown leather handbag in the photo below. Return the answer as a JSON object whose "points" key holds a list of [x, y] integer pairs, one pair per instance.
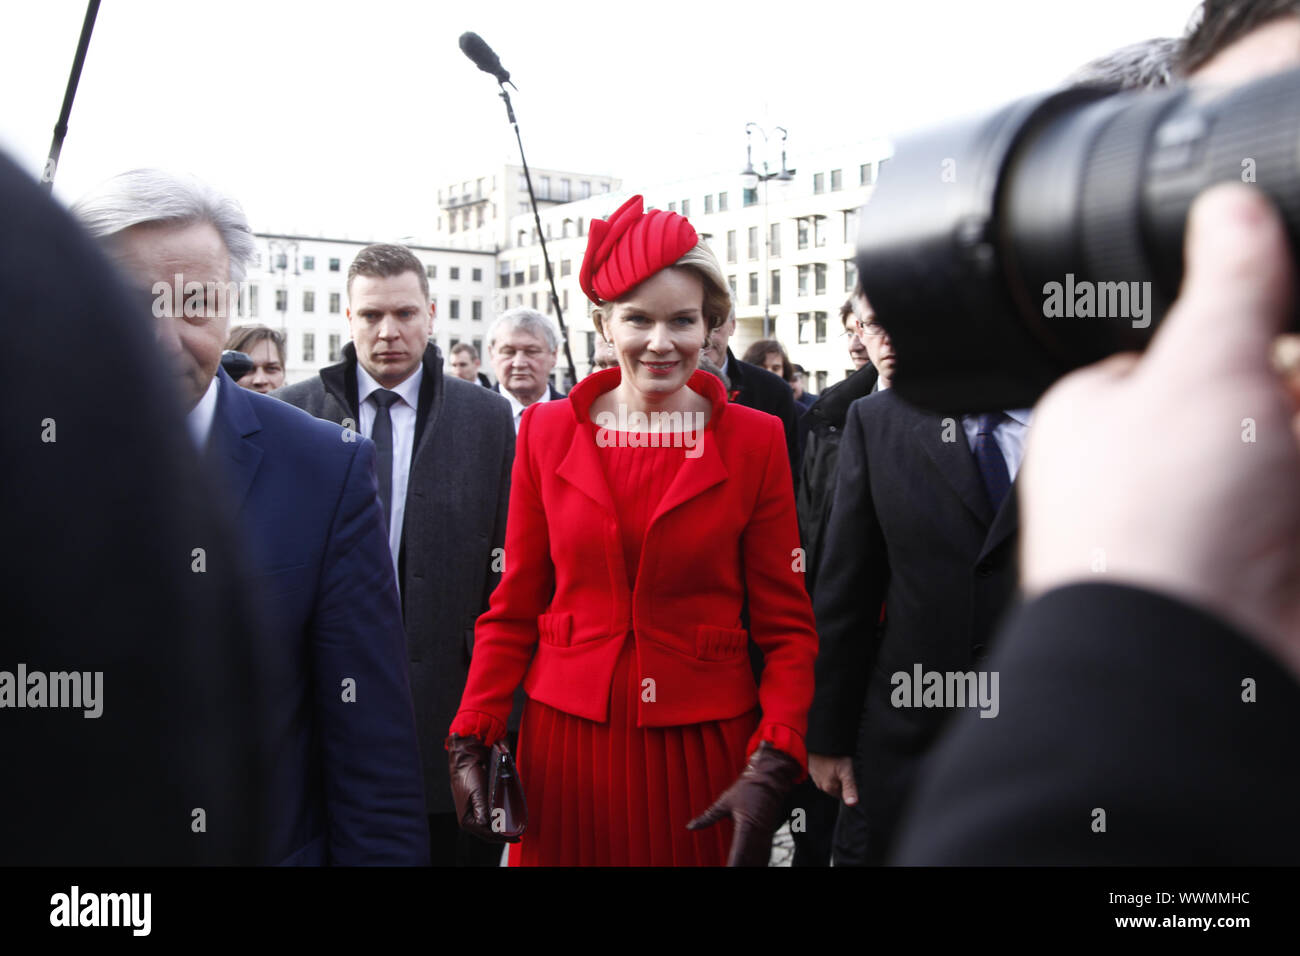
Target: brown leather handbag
{"points": [[507, 811]]}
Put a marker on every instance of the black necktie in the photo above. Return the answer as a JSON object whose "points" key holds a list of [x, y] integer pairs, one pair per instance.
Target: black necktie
{"points": [[382, 435], [988, 456]]}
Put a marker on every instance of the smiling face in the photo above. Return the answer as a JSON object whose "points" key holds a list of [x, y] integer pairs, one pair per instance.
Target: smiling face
{"points": [[658, 330], [391, 320]]}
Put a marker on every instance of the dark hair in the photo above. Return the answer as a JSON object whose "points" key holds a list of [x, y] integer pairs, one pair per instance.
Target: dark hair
{"points": [[467, 348], [846, 311], [244, 337], [1147, 64], [761, 349], [1218, 23], [383, 260]]}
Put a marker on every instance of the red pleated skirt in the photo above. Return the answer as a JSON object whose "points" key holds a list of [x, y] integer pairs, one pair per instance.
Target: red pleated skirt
{"points": [[615, 794]]}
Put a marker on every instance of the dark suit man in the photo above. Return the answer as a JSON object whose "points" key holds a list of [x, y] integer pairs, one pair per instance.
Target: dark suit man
{"points": [[103, 502], [912, 526], [449, 445], [345, 786], [755, 387], [524, 347]]}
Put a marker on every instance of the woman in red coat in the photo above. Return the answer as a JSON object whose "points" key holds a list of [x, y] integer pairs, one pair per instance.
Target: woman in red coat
{"points": [[646, 514]]}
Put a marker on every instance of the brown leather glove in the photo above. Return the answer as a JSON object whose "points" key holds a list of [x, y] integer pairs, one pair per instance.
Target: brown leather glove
{"points": [[468, 760], [755, 803]]}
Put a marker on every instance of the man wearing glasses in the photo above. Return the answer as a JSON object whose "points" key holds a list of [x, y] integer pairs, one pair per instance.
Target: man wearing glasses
{"points": [[917, 564], [524, 347]]}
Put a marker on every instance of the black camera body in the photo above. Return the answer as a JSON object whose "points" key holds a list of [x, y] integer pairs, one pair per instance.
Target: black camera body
{"points": [[1003, 252]]}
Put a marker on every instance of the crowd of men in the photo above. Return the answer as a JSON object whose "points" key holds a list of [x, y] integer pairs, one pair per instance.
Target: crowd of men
{"points": [[308, 639]]}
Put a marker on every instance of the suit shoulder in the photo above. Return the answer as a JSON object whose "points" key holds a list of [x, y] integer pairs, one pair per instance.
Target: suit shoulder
{"points": [[473, 395], [284, 421], [301, 394]]}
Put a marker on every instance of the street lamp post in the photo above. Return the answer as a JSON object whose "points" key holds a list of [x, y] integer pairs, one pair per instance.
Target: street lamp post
{"points": [[749, 179]]}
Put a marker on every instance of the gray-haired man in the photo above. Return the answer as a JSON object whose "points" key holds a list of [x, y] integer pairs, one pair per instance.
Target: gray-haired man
{"points": [[524, 347], [345, 786]]}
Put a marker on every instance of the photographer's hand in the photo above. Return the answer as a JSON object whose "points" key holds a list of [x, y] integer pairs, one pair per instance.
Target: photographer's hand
{"points": [[1179, 471]]}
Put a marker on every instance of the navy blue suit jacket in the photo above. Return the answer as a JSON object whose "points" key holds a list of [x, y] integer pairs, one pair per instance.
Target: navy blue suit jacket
{"points": [[346, 786]]}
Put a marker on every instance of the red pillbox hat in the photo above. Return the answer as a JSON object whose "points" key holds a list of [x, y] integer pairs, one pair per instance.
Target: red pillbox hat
{"points": [[630, 247]]}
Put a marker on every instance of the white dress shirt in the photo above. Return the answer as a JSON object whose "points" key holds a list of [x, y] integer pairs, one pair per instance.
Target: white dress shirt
{"points": [[1010, 434], [201, 415], [402, 413], [517, 409]]}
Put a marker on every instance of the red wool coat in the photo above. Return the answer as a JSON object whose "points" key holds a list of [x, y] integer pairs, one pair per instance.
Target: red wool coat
{"points": [[725, 531]]}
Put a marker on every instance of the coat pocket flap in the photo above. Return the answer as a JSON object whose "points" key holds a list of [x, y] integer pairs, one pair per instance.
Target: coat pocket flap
{"points": [[555, 629], [714, 643]]}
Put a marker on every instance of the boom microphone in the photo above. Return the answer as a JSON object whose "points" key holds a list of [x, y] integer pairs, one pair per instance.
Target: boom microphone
{"points": [[473, 46]]}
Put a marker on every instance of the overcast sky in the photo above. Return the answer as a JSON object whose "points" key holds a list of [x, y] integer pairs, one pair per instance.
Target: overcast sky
{"points": [[345, 117]]}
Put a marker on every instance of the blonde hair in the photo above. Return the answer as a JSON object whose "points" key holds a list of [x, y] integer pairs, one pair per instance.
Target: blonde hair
{"points": [[717, 292]]}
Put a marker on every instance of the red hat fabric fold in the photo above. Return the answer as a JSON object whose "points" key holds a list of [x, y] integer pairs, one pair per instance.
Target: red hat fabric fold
{"points": [[630, 247]]}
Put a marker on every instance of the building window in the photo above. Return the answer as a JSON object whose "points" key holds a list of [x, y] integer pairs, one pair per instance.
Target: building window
{"points": [[850, 225], [533, 304], [478, 346], [819, 231], [476, 310], [753, 288], [604, 187], [775, 296], [544, 188], [803, 279], [731, 245], [850, 275], [584, 189], [774, 240], [480, 215], [477, 275], [722, 202], [464, 222], [455, 273], [686, 207], [431, 271], [252, 301], [819, 279], [519, 278], [566, 266], [335, 345], [565, 187], [731, 281], [281, 300], [802, 229], [308, 263], [864, 175], [451, 222], [708, 204], [819, 183], [309, 301], [672, 207], [821, 381], [837, 180], [534, 273], [805, 328], [582, 226], [523, 183], [819, 318], [282, 261], [749, 197], [753, 242], [455, 308], [334, 265], [564, 298], [503, 280], [309, 346], [334, 303]]}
